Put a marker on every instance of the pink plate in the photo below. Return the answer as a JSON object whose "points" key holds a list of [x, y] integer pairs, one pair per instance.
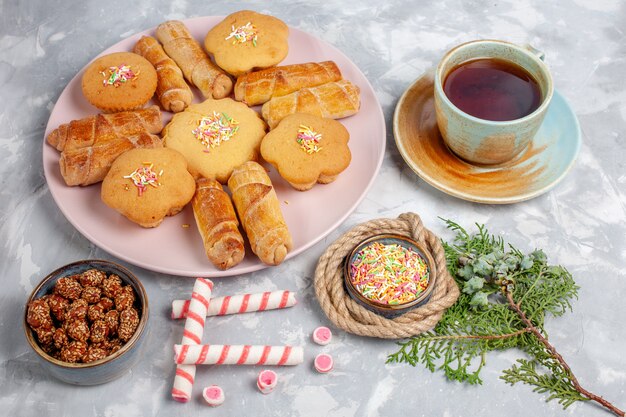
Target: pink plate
{"points": [[174, 248]]}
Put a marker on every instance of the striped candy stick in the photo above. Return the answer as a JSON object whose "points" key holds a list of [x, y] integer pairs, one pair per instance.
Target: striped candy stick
{"points": [[241, 303], [194, 328], [238, 355]]}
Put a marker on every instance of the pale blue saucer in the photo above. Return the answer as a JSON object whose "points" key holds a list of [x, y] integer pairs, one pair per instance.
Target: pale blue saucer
{"points": [[538, 169], [560, 133]]}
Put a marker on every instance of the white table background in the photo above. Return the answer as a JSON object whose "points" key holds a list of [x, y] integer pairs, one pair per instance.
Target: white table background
{"points": [[581, 223]]}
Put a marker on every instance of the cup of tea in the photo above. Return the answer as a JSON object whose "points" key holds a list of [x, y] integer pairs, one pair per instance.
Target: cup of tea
{"points": [[490, 99]]}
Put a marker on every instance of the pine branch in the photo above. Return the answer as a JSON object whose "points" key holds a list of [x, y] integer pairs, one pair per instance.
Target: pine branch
{"points": [[557, 356], [487, 317], [455, 354], [558, 385], [480, 337]]}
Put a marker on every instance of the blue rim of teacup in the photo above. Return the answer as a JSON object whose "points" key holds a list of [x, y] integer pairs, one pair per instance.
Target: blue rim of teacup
{"points": [[143, 321], [544, 104]]}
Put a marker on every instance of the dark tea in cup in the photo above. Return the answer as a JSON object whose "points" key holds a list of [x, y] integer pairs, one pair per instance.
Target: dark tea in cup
{"points": [[492, 89], [491, 97]]}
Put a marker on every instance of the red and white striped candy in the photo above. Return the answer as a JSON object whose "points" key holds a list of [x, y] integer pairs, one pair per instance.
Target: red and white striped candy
{"points": [[241, 303], [267, 380], [238, 355], [194, 328]]}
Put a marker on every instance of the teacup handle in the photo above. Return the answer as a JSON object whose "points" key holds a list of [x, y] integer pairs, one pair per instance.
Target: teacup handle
{"points": [[539, 54]]}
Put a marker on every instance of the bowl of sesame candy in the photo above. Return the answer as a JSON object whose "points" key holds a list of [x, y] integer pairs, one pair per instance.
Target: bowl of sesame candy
{"points": [[389, 274], [87, 321]]}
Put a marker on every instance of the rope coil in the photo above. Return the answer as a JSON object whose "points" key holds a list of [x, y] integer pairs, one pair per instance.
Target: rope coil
{"points": [[350, 316]]}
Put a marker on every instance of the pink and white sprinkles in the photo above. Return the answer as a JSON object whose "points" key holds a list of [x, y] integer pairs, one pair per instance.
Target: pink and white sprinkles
{"points": [[322, 335], [241, 303], [213, 130], [119, 75], [323, 363], [144, 176], [243, 34], [389, 274], [267, 380], [213, 395], [194, 329], [308, 139], [192, 354]]}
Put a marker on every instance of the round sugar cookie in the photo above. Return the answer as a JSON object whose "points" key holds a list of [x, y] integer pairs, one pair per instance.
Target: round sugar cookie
{"points": [[215, 137], [246, 41], [119, 81], [307, 149], [145, 185]]}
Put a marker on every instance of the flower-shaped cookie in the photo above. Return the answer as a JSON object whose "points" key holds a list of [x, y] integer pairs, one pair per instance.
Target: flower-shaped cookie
{"points": [[145, 185], [215, 137], [247, 40], [307, 149]]}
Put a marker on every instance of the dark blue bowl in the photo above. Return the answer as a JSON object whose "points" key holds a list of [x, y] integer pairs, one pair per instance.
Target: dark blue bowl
{"points": [[114, 365]]}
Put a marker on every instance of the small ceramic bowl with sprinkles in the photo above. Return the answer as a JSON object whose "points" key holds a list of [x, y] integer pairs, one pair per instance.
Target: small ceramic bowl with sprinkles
{"points": [[389, 274]]}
